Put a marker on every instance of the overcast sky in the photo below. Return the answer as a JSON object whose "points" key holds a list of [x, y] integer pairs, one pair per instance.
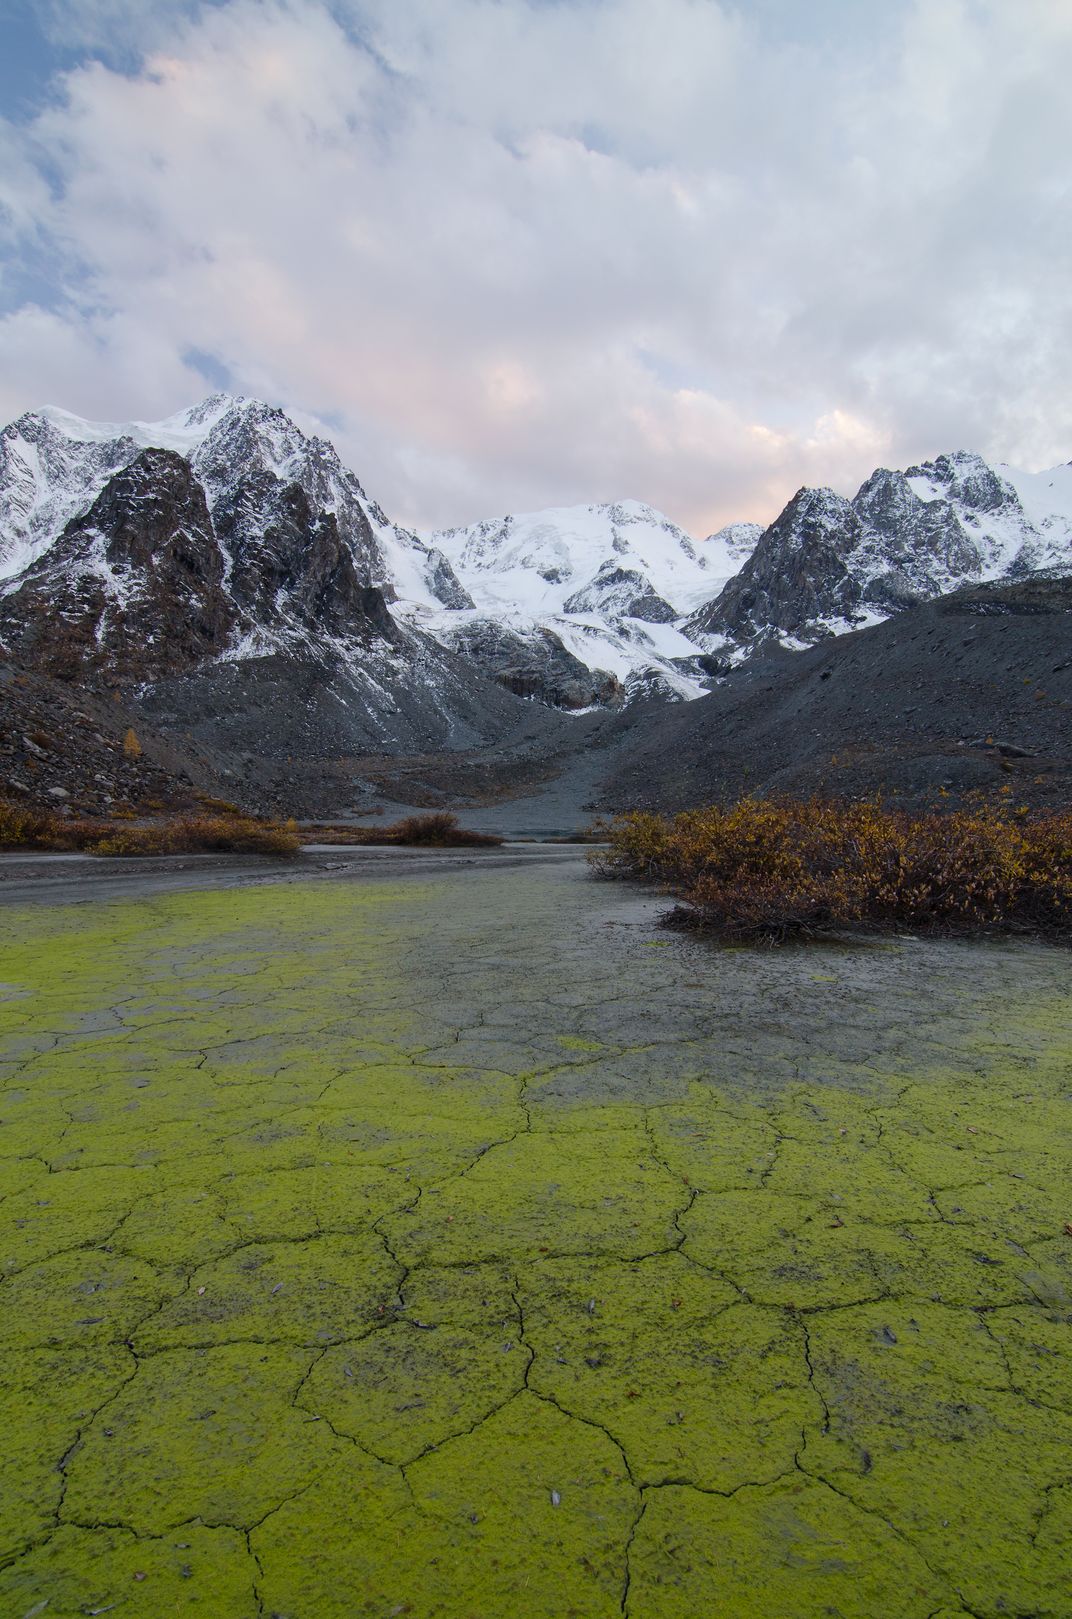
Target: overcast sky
{"points": [[519, 253]]}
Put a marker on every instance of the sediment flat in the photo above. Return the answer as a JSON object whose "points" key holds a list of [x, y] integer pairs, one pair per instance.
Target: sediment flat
{"points": [[439, 1236]]}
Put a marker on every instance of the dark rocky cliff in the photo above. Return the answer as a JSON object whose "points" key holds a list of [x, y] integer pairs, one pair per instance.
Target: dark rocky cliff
{"points": [[132, 590]]}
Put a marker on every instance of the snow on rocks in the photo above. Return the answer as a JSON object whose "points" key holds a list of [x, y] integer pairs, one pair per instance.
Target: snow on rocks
{"points": [[572, 606]]}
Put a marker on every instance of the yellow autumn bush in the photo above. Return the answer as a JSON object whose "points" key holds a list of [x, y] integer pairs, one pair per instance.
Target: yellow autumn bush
{"points": [[41, 829], [772, 868]]}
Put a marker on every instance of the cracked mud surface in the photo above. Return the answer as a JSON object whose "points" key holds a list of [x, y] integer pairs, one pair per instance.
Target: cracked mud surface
{"points": [[458, 1245]]}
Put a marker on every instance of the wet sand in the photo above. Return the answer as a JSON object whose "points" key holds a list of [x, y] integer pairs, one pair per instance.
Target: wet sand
{"points": [[71, 879]]}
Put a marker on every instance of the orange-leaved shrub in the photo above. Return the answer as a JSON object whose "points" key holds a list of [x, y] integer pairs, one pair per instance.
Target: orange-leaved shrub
{"points": [[772, 869], [438, 829], [22, 828], [199, 834], [187, 834]]}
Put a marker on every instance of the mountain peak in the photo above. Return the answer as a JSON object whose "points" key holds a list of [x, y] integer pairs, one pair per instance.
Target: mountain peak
{"points": [[827, 564], [244, 453], [615, 586]]}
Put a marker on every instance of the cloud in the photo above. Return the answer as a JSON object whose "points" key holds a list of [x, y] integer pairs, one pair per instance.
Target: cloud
{"points": [[529, 253]]}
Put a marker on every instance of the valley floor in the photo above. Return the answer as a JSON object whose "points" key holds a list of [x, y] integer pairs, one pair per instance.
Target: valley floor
{"points": [[436, 1236]]}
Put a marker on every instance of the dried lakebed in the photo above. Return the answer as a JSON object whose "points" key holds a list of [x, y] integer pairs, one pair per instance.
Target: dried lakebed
{"points": [[453, 1243]]}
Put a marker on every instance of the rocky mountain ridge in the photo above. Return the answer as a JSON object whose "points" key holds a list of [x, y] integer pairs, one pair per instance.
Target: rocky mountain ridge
{"points": [[964, 696], [222, 583], [278, 499], [117, 562], [244, 454], [828, 564], [231, 586]]}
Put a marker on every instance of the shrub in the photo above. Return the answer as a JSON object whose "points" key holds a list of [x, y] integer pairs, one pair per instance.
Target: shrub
{"points": [[26, 828], [127, 841], [437, 830], [229, 830], [637, 846], [436, 827], [222, 806], [765, 869], [200, 834], [39, 829]]}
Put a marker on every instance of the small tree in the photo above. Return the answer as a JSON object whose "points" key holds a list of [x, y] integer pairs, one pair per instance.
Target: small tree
{"points": [[131, 745]]}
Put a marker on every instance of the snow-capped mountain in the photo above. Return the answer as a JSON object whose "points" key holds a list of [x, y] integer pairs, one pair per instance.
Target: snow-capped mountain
{"points": [[623, 590], [603, 587], [225, 538], [243, 454], [225, 534], [828, 564], [623, 560], [576, 606]]}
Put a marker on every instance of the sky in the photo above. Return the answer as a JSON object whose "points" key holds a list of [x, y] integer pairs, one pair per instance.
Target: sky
{"points": [[511, 254]]}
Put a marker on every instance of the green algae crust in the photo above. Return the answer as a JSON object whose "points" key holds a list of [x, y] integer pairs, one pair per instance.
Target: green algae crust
{"points": [[361, 1256], [790, 1548]]}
